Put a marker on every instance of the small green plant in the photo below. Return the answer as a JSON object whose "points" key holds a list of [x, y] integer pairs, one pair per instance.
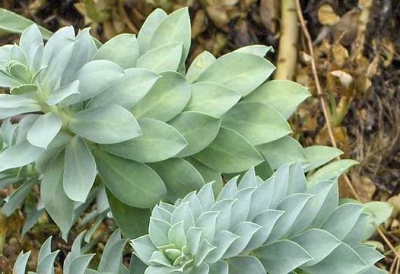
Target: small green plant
{"points": [[276, 226], [76, 261], [130, 112]]}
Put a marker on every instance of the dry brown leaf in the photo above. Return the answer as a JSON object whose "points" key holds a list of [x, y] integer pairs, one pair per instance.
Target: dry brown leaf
{"points": [[340, 55], [395, 202], [198, 25], [364, 186], [219, 16], [219, 3], [344, 78], [327, 16]]}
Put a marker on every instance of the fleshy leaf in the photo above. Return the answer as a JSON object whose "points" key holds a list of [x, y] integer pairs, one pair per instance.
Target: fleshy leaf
{"points": [[198, 129], [282, 256], [212, 99], [60, 209], [167, 98], [282, 151], [15, 23], [159, 141], [163, 58], [173, 29], [133, 183], [106, 124], [79, 170], [241, 72], [94, 77], [44, 130], [282, 95], [320, 155], [230, 152], [199, 65], [128, 91], [257, 122], [19, 155], [149, 27], [132, 221], [179, 176], [331, 171], [122, 49]]}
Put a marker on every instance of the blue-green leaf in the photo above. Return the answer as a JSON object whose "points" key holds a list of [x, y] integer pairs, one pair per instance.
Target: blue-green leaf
{"points": [[83, 52], [128, 91], [133, 183], [56, 202], [106, 124], [230, 152], [318, 243], [167, 98], [179, 176], [44, 130], [132, 221], [122, 49], [63, 92], [174, 29], [94, 77], [331, 171], [162, 58], [282, 256], [342, 260], [159, 141], [13, 201], [245, 264], [19, 155], [259, 50], [320, 155], [79, 170], [198, 129], [146, 32], [199, 65], [212, 99], [242, 72], [282, 151], [15, 23], [258, 123], [282, 95]]}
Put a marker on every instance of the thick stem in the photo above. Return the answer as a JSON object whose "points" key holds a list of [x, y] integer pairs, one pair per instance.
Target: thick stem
{"points": [[289, 33], [366, 6], [3, 232]]}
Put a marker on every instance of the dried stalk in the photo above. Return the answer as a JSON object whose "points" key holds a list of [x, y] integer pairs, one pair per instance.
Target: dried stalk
{"points": [[289, 34], [366, 6]]}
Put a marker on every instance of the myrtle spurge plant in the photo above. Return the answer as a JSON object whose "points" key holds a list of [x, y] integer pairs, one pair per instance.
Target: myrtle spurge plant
{"points": [[281, 225], [76, 261], [129, 111]]}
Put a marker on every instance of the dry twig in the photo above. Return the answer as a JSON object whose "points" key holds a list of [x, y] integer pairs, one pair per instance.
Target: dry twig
{"points": [[289, 34]]}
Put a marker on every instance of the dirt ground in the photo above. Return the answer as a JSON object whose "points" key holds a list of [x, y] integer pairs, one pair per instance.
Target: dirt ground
{"points": [[356, 49]]}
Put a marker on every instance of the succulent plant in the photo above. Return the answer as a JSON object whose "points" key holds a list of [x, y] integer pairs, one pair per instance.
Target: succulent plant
{"points": [[129, 111], [281, 225], [76, 261]]}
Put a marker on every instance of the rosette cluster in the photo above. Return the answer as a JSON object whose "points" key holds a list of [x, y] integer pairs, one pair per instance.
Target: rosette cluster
{"points": [[276, 226]]}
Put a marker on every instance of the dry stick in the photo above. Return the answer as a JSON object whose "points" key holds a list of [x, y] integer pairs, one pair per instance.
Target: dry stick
{"points": [[319, 90], [383, 236], [125, 18], [362, 27], [289, 33]]}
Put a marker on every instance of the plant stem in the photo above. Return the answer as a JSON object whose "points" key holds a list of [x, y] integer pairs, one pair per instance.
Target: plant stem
{"points": [[289, 33], [3, 232]]}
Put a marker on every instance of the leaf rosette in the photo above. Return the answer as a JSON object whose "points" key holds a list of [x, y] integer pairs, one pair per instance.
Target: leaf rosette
{"points": [[276, 226], [129, 111]]}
